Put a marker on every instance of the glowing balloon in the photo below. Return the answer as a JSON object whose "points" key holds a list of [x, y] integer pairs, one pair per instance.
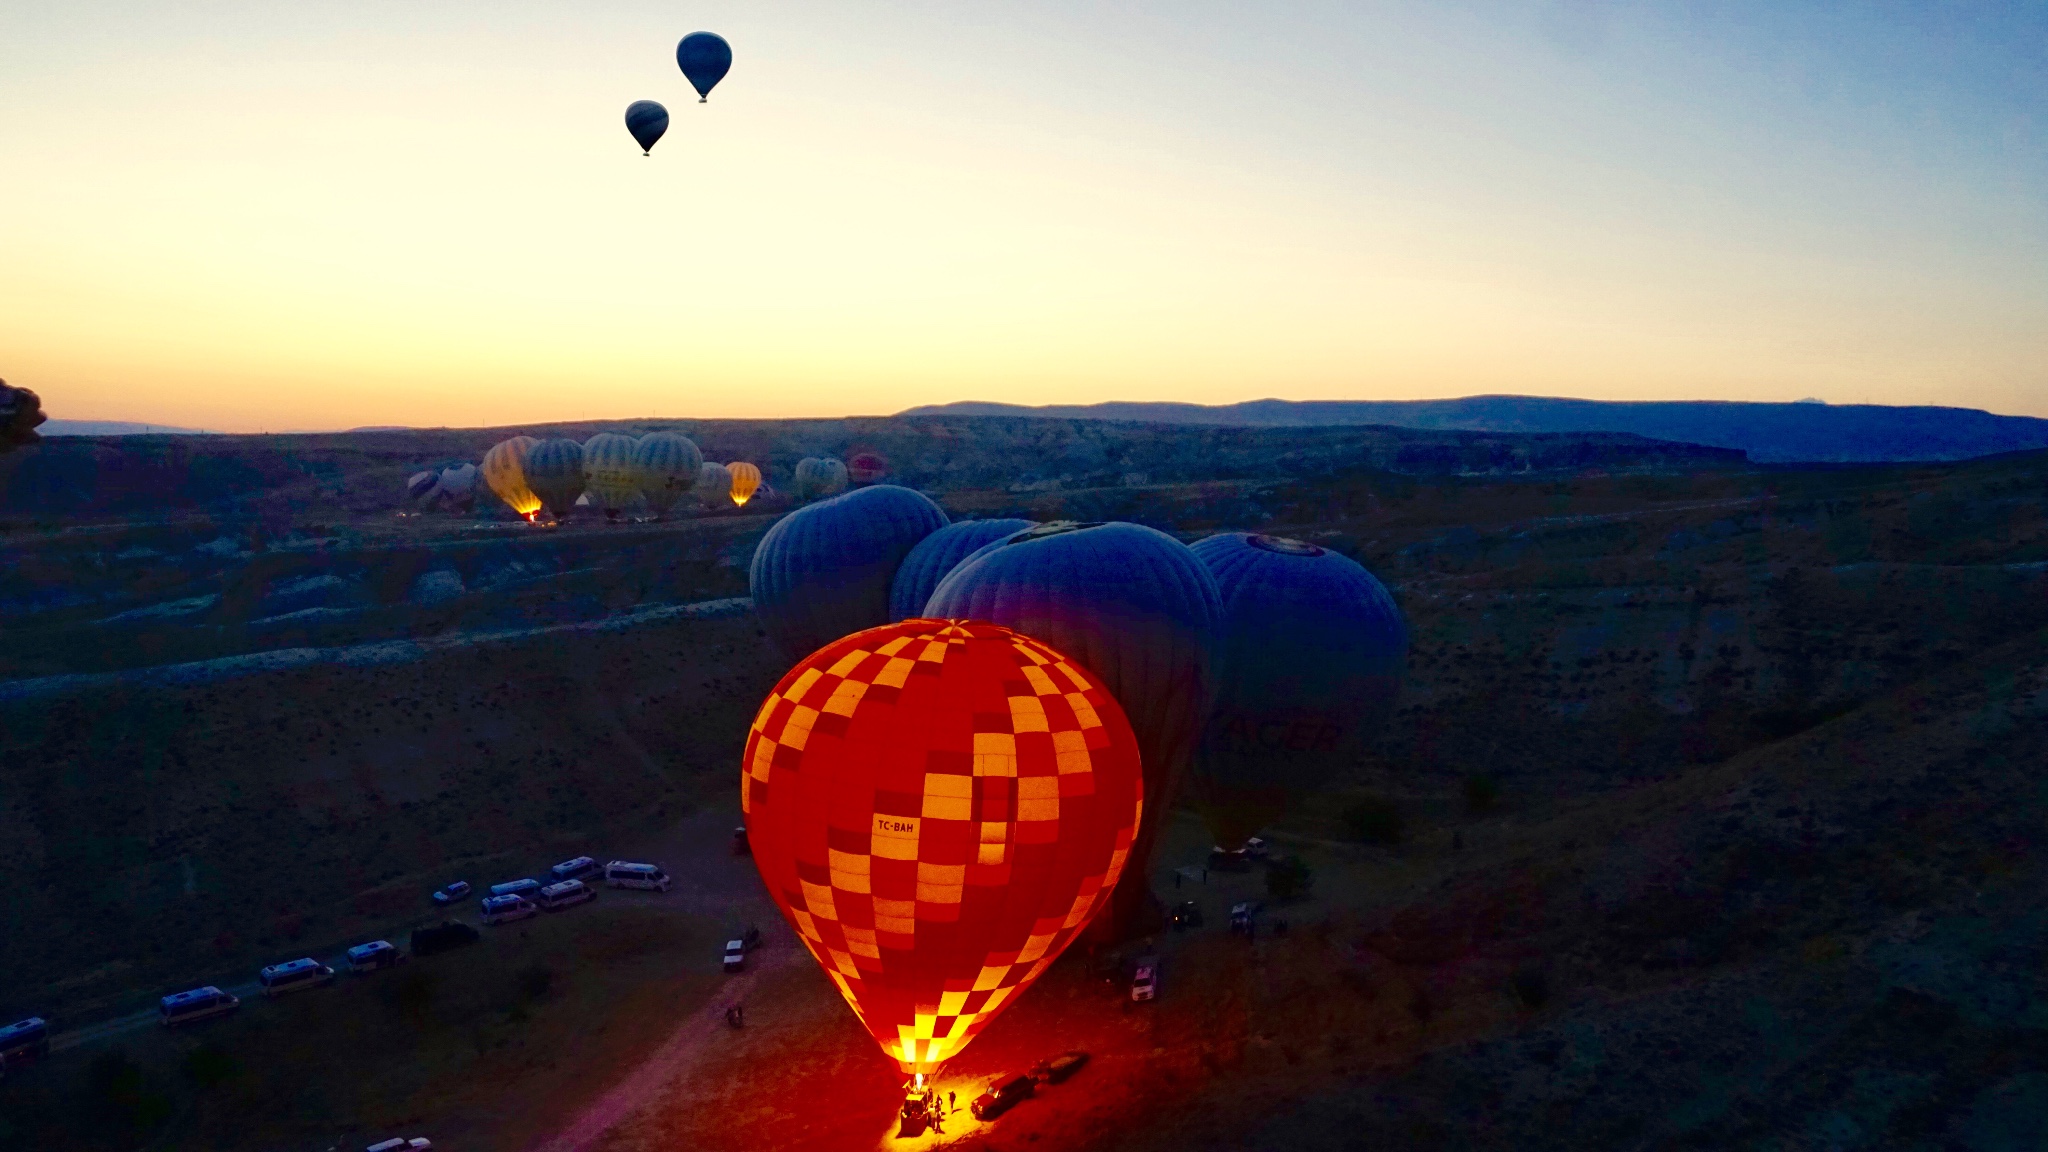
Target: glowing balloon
{"points": [[1136, 608], [825, 570], [504, 469], [554, 470], [1310, 650], [705, 58], [936, 555], [646, 120], [746, 480], [938, 807], [665, 465], [608, 473], [714, 483]]}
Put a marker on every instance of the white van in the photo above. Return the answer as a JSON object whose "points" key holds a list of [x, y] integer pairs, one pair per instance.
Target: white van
{"points": [[626, 874], [198, 1004], [505, 909], [294, 976], [567, 894]]}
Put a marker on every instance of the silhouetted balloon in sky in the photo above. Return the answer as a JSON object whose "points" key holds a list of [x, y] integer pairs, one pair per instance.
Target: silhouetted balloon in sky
{"points": [[608, 472], [665, 465], [1135, 607], [646, 120], [746, 480], [554, 470], [824, 570], [935, 555], [20, 412], [504, 469], [1310, 651], [705, 58]]}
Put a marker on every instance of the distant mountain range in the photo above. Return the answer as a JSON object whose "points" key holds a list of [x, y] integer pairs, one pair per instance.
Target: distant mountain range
{"points": [[1771, 433], [115, 428]]}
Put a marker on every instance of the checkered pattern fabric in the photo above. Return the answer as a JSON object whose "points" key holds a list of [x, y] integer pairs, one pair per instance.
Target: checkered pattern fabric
{"points": [[938, 807]]}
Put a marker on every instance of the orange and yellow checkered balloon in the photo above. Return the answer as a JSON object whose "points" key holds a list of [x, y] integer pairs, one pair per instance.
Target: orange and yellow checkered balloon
{"points": [[939, 807]]}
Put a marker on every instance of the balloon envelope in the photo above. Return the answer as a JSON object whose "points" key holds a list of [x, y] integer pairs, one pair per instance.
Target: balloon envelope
{"points": [[705, 58], [824, 570], [1310, 650], [420, 485], [665, 465], [819, 477], [608, 472], [554, 470], [746, 480], [936, 555], [714, 483], [646, 120], [1136, 608], [867, 467], [938, 808], [504, 469]]}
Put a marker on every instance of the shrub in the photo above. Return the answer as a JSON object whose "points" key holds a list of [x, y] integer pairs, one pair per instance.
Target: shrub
{"points": [[1375, 820], [1482, 792], [1288, 877]]}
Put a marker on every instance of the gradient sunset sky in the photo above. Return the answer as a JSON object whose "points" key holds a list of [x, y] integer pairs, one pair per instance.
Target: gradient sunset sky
{"points": [[249, 216]]}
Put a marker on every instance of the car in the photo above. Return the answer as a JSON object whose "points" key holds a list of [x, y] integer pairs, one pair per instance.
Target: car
{"points": [[575, 869], [628, 874], [400, 1144], [520, 887], [1058, 1068], [24, 1041], [1242, 915], [740, 847], [446, 936], [1187, 914], [1256, 849], [1002, 1095], [1222, 859], [508, 908], [195, 1005], [375, 955], [735, 955], [1145, 981], [454, 893], [294, 976], [567, 894]]}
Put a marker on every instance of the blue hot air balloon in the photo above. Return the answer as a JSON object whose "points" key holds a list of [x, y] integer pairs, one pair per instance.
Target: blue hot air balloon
{"points": [[1136, 607], [1310, 654], [705, 58], [936, 555], [824, 570], [646, 120]]}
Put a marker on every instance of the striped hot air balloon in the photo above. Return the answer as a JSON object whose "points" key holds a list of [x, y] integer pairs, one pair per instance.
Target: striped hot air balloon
{"points": [[665, 465], [504, 469], [554, 470], [608, 473], [746, 480]]}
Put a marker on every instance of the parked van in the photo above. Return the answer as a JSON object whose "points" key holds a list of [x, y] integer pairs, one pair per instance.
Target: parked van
{"points": [[196, 1005], [1003, 1093], [515, 888], [575, 869], [373, 956], [626, 874], [23, 1041], [567, 894], [294, 976], [507, 908]]}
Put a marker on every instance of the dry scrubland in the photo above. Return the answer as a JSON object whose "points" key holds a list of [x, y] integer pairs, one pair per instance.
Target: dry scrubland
{"points": [[1709, 818]]}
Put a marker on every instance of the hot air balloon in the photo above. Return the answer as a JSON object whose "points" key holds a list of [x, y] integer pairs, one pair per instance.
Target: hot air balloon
{"points": [[504, 469], [867, 467], [20, 411], [421, 485], [608, 472], [1134, 607], [665, 466], [646, 120], [819, 477], [938, 807], [825, 569], [457, 485], [746, 480], [554, 470], [1310, 650], [705, 58], [714, 483], [935, 555]]}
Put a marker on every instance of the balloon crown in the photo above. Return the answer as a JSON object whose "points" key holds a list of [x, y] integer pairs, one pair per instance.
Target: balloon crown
{"points": [[1283, 545], [1054, 528]]}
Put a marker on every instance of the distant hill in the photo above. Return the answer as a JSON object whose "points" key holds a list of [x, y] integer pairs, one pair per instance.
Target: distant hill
{"points": [[115, 428], [1770, 433]]}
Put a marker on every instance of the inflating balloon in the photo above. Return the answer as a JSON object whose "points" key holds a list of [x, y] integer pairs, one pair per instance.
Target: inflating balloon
{"points": [[646, 120], [714, 483], [421, 485], [1136, 608], [554, 470], [665, 466], [20, 412], [936, 555], [1310, 650], [824, 570], [938, 807], [608, 473], [705, 58], [746, 480], [867, 467], [819, 477], [504, 469], [457, 485]]}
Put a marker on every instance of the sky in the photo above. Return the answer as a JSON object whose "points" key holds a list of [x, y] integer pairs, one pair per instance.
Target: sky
{"points": [[259, 216]]}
